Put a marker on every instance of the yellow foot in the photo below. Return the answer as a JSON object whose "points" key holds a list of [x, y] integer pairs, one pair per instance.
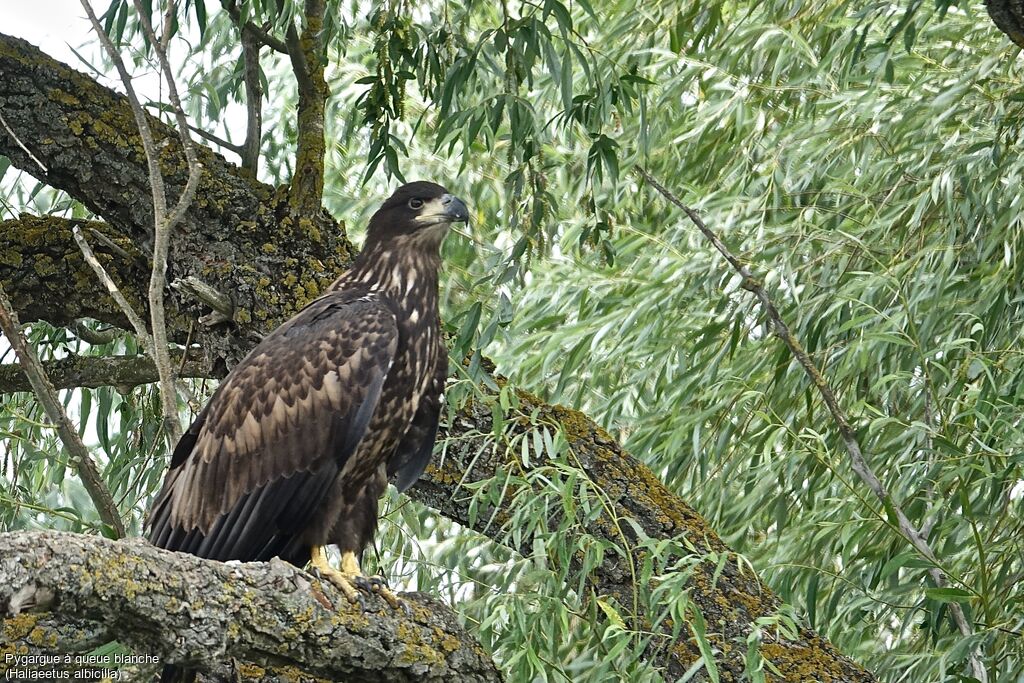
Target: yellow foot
{"points": [[350, 580]]}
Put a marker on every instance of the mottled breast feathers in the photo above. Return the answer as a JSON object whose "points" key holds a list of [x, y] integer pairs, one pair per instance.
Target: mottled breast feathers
{"points": [[277, 431]]}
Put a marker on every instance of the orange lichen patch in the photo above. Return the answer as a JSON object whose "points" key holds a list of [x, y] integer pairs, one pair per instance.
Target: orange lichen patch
{"points": [[247, 671], [416, 649], [799, 663], [64, 97], [443, 472], [446, 641], [25, 627]]}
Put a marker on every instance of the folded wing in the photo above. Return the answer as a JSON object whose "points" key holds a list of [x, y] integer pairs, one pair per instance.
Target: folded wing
{"points": [[248, 477]]}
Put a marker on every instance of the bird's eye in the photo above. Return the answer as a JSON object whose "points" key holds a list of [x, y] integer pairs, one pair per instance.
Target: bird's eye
{"points": [[415, 203]]}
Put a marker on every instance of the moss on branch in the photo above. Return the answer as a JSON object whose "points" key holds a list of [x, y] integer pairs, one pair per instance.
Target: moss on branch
{"points": [[239, 236], [729, 599], [46, 277], [68, 593]]}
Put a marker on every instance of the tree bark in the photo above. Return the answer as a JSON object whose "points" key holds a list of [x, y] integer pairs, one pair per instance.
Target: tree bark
{"points": [[195, 612], [730, 599], [239, 235], [123, 372], [1008, 16], [49, 280]]}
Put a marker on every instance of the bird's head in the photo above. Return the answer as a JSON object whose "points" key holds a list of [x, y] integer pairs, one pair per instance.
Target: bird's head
{"points": [[417, 215]]}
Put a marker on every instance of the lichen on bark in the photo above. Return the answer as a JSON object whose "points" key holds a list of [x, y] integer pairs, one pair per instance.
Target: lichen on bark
{"points": [[69, 593], [43, 270], [730, 600], [248, 240], [85, 136]]}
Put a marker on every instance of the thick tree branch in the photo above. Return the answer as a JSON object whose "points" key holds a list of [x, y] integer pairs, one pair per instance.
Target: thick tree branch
{"points": [[123, 372], [729, 598], [273, 265], [261, 614], [47, 397], [239, 235], [1008, 16], [250, 151], [306, 53], [47, 278]]}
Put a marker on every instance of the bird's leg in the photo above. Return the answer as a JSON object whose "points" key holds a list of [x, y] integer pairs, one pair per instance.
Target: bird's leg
{"points": [[372, 584], [350, 579], [344, 582]]}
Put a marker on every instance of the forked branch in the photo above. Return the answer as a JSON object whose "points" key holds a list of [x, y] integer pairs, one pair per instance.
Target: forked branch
{"points": [[164, 220]]}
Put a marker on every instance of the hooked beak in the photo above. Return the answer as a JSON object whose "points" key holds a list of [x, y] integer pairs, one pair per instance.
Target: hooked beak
{"points": [[455, 210]]}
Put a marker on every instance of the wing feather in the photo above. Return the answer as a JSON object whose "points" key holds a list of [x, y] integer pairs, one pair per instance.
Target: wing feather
{"points": [[251, 471], [413, 453]]}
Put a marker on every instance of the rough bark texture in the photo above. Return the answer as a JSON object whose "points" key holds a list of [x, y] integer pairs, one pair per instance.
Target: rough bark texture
{"points": [[238, 235], [245, 240], [729, 603], [1008, 16], [123, 372], [65, 592], [46, 277]]}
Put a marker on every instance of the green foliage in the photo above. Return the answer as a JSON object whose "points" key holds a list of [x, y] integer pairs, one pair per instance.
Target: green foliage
{"points": [[860, 156]]}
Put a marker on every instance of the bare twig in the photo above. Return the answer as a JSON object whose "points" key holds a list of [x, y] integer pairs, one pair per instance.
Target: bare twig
{"points": [[113, 246], [48, 399], [253, 100], [163, 220], [260, 32], [141, 121], [115, 293], [164, 224], [858, 463], [215, 139], [273, 42], [142, 334], [21, 144], [170, 15]]}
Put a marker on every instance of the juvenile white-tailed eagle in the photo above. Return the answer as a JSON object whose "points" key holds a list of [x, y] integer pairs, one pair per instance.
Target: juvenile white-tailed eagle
{"points": [[298, 443]]}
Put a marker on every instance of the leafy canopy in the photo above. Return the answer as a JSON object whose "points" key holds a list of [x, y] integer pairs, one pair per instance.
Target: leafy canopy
{"points": [[859, 155]]}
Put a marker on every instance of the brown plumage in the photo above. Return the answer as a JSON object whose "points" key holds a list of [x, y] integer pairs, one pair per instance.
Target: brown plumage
{"points": [[298, 443]]}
